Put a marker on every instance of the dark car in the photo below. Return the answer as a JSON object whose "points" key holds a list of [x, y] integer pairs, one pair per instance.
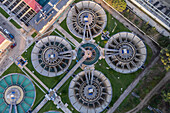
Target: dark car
{"points": [[11, 36], [13, 45]]}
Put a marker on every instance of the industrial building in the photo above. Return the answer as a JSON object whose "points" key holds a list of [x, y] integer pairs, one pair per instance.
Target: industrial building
{"points": [[4, 43], [90, 91], [125, 52], [17, 93], [49, 14], [86, 20], [23, 9], [51, 56]]}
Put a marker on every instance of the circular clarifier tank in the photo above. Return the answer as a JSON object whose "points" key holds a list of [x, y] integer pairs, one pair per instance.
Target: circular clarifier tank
{"points": [[17, 93], [90, 92], [51, 56], [125, 52], [92, 53], [86, 18]]}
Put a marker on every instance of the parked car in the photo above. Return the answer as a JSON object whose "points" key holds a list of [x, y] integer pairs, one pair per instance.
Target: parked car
{"points": [[11, 36], [6, 31], [1, 28], [13, 45]]}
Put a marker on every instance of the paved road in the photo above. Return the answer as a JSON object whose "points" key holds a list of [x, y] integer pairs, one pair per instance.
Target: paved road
{"points": [[16, 51], [145, 38], [35, 77], [43, 102], [151, 94], [69, 74], [59, 28]]}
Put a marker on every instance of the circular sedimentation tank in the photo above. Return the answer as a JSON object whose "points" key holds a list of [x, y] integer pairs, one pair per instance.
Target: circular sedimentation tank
{"points": [[51, 56], [17, 92], [92, 52], [125, 52], [90, 92], [86, 19]]}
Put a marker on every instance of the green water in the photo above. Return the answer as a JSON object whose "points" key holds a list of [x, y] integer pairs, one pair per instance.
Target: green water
{"points": [[24, 106], [29, 87], [3, 84], [19, 109], [20, 80], [8, 80], [1, 90], [1, 95], [14, 78], [29, 94], [26, 82], [2, 107], [29, 101], [1, 101], [7, 109]]}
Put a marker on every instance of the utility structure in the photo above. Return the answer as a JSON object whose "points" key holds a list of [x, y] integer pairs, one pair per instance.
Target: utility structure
{"points": [[90, 92], [17, 93], [86, 20], [125, 52], [51, 56]]}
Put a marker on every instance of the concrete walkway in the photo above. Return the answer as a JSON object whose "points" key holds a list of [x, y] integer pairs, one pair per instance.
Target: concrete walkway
{"points": [[35, 77], [43, 102], [59, 28], [151, 94], [69, 74]]}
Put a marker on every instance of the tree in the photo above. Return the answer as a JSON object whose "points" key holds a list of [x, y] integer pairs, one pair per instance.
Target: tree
{"points": [[164, 41], [165, 57], [166, 96], [119, 5]]}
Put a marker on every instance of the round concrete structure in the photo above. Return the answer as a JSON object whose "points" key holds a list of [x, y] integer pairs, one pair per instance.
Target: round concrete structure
{"points": [[17, 93], [86, 19], [51, 56], [90, 92], [92, 52], [125, 52]]}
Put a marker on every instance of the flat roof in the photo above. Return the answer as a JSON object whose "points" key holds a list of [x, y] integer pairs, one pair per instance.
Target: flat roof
{"points": [[47, 13], [34, 5]]}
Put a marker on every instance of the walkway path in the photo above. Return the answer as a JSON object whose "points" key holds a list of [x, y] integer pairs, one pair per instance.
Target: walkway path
{"points": [[69, 74], [151, 93], [59, 28], [146, 39], [35, 77], [43, 102]]}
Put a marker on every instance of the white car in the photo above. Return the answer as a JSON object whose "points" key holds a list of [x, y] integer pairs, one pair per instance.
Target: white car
{"points": [[6, 31], [1, 28]]}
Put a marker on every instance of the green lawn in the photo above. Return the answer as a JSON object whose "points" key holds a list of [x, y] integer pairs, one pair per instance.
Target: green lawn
{"points": [[12, 69], [34, 34], [3, 13], [15, 24]]}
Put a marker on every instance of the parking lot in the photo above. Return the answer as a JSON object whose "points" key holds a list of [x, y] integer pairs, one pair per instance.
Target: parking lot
{"points": [[17, 50]]}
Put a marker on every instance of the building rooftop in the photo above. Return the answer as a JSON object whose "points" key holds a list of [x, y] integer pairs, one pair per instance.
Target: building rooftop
{"points": [[34, 5], [47, 13]]}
